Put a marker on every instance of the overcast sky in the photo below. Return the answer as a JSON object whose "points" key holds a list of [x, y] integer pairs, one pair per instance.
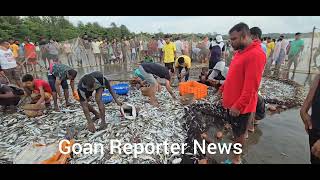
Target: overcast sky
{"points": [[205, 24]]}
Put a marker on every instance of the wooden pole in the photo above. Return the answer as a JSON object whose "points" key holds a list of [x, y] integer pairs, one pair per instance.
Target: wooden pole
{"points": [[309, 71], [314, 28]]}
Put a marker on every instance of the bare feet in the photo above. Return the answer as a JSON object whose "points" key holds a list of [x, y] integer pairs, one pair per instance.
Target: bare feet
{"points": [[236, 162], [227, 126], [56, 108], [203, 161], [95, 118], [246, 135], [206, 137], [219, 135], [91, 127], [103, 126], [154, 102], [251, 127]]}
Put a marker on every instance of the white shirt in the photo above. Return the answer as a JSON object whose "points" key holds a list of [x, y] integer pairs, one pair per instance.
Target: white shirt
{"points": [[7, 60], [160, 44], [214, 74], [178, 47], [280, 45], [284, 44], [95, 47], [221, 44], [37, 48]]}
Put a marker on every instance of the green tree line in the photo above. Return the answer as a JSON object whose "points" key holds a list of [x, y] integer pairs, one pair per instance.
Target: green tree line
{"points": [[56, 27], [59, 28]]}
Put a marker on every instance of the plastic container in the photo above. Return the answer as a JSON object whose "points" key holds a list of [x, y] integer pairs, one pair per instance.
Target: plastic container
{"points": [[106, 97], [121, 89], [192, 87], [128, 111]]}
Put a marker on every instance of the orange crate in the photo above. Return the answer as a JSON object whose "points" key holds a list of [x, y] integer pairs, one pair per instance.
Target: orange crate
{"points": [[192, 87]]}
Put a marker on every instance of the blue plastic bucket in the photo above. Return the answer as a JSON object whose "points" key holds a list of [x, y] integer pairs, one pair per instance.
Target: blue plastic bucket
{"points": [[121, 89], [106, 97]]}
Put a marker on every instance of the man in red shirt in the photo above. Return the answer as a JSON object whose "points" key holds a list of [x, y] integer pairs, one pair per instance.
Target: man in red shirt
{"points": [[38, 89], [240, 89], [30, 55]]}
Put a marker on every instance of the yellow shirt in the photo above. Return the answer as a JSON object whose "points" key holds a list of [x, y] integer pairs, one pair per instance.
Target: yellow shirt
{"points": [[270, 46], [187, 61], [15, 50], [169, 50]]}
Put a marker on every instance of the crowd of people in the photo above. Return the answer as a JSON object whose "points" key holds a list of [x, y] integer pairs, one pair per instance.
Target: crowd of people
{"points": [[160, 61], [237, 85]]}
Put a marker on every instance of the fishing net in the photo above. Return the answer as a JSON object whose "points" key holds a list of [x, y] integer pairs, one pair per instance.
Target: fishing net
{"points": [[79, 54], [283, 92], [210, 117], [308, 60], [314, 52], [199, 118]]}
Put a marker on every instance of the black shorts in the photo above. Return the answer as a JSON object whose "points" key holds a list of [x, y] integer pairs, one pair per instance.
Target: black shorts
{"points": [[52, 82], [238, 124], [314, 136], [169, 66], [261, 109]]}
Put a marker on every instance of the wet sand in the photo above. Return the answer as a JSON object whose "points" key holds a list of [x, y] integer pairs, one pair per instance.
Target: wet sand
{"points": [[278, 139]]}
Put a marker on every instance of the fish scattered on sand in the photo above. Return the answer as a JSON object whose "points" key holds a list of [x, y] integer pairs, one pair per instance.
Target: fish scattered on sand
{"points": [[172, 122]]}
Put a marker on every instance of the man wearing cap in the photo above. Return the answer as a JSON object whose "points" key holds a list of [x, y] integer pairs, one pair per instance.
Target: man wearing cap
{"points": [[183, 62], [217, 51], [218, 74], [147, 73], [295, 51]]}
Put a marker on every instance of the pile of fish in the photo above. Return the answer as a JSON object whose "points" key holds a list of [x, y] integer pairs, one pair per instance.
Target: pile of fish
{"points": [[172, 122], [17, 131], [282, 92], [153, 125]]}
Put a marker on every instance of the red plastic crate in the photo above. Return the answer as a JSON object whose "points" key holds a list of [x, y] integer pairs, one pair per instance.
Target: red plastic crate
{"points": [[192, 87]]}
